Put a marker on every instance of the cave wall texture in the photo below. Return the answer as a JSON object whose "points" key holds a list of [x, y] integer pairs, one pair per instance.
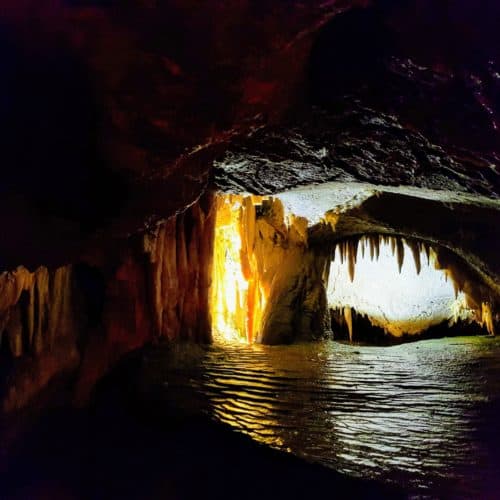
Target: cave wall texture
{"points": [[79, 320], [119, 116]]}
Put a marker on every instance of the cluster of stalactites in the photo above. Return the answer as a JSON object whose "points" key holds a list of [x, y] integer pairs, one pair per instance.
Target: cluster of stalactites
{"points": [[36, 308], [237, 294], [348, 250], [254, 238], [475, 300], [180, 253]]}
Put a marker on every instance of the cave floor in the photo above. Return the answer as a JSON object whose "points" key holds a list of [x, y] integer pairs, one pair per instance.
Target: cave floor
{"points": [[417, 419], [126, 447]]}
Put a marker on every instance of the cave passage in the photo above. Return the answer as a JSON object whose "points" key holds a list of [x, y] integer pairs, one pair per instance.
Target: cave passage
{"points": [[397, 286], [271, 285]]}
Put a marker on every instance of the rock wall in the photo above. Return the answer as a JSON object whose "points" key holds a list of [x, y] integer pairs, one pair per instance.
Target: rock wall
{"points": [[180, 267], [81, 319], [158, 292], [40, 324]]}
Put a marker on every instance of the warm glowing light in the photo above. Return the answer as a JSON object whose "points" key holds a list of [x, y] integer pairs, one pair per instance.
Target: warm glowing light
{"points": [[238, 297], [401, 295], [262, 259]]}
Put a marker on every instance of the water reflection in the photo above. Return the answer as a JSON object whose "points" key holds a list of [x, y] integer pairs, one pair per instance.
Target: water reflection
{"points": [[422, 414]]}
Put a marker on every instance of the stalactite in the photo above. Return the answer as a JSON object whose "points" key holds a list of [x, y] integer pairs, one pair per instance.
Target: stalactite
{"points": [[41, 304], [38, 308], [180, 255], [427, 250], [393, 243], [267, 285], [247, 235], [61, 314], [355, 246], [415, 250], [371, 241], [351, 254], [400, 253], [472, 296], [377, 247], [15, 333]]}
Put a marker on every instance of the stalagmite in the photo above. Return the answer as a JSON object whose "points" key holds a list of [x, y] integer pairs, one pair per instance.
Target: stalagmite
{"points": [[487, 318], [348, 319]]}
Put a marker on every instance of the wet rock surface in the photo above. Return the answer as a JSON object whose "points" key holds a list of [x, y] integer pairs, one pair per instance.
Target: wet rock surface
{"points": [[350, 143], [387, 106]]}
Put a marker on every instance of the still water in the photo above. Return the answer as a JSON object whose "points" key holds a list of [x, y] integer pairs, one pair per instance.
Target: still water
{"points": [[422, 415]]}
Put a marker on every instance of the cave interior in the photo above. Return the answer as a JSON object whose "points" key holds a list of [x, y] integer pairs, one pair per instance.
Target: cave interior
{"points": [[245, 173]]}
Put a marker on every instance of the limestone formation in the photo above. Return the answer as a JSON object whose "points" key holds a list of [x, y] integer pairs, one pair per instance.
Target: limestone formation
{"points": [[268, 286], [120, 120]]}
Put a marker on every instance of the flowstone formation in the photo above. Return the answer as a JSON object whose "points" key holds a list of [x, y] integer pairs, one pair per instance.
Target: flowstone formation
{"points": [[268, 286], [273, 283]]}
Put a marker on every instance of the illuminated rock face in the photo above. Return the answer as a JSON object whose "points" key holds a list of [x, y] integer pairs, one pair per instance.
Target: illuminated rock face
{"points": [[403, 296], [268, 286], [270, 277]]}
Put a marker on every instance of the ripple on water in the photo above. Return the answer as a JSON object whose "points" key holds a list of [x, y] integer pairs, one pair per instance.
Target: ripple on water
{"points": [[423, 414]]}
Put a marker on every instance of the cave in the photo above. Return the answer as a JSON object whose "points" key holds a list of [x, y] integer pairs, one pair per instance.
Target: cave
{"points": [[250, 249]]}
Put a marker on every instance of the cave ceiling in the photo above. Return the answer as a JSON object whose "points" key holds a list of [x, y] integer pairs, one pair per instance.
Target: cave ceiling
{"points": [[385, 106], [120, 114]]}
